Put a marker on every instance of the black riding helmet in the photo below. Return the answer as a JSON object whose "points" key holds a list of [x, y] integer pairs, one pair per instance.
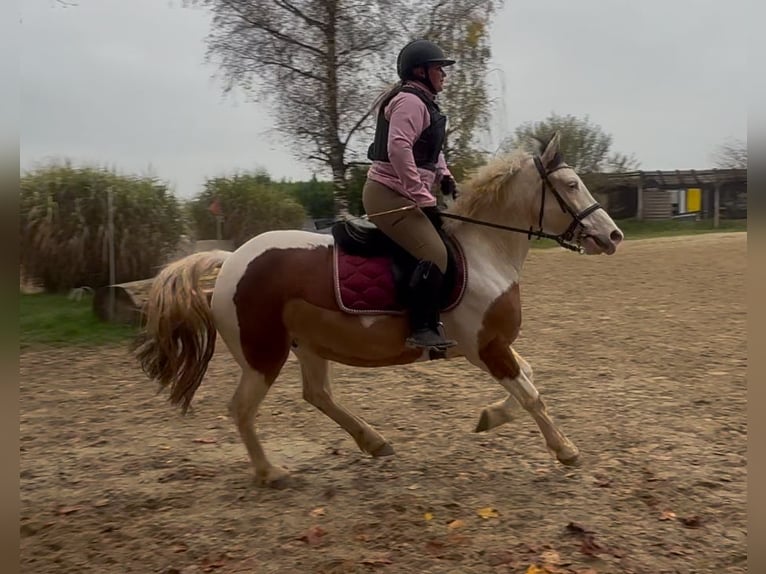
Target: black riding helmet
{"points": [[420, 53]]}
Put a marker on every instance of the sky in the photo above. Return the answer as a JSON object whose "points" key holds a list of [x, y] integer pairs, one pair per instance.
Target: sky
{"points": [[124, 84]]}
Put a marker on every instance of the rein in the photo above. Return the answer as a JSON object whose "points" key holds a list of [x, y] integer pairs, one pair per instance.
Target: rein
{"points": [[529, 232]]}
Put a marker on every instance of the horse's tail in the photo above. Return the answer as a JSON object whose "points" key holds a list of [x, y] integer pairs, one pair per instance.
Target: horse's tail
{"points": [[178, 336]]}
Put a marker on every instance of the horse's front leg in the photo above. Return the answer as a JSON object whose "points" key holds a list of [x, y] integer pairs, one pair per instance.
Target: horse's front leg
{"points": [[515, 374]]}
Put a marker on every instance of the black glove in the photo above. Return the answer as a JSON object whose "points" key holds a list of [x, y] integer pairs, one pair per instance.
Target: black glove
{"points": [[448, 186], [433, 213]]}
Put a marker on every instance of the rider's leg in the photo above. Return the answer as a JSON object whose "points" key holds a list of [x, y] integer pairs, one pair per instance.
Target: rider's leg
{"points": [[415, 233]]}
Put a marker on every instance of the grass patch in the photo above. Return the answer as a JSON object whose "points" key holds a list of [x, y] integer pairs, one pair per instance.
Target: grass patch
{"points": [[55, 320]]}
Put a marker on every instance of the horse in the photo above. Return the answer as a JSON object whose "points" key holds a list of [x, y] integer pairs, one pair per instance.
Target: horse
{"points": [[287, 291]]}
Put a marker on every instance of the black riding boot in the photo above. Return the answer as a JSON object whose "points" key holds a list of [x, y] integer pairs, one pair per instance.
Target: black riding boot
{"points": [[424, 296]]}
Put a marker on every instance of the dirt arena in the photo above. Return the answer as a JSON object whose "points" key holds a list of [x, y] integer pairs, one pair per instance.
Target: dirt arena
{"points": [[641, 357]]}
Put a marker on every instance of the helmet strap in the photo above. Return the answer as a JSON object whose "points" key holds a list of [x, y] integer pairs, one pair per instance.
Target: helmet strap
{"points": [[425, 80]]}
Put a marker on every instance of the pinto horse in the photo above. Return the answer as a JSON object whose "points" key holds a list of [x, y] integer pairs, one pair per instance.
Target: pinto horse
{"points": [[304, 292]]}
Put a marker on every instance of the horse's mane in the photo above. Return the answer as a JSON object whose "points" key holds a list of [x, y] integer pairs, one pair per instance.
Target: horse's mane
{"points": [[484, 187], [487, 183]]}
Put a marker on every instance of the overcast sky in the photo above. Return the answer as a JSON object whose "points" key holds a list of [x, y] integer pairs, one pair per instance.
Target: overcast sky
{"points": [[124, 83]]}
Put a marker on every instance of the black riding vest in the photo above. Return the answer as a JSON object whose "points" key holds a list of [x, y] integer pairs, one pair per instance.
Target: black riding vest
{"points": [[427, 147]]}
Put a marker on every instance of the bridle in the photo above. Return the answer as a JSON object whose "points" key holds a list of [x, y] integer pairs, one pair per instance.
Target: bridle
{"points": [[577, 218], [564, 239]]}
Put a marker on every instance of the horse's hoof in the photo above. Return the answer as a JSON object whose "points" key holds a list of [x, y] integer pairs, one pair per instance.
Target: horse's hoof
{"points": [[483, 422], [383, 450], [571, 458], [279, 483], [276, 478]]}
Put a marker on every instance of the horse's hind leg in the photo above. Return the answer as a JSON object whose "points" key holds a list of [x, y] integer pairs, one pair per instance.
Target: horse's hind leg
{"points": [[499, 413], [251, 391], [317, 390]]}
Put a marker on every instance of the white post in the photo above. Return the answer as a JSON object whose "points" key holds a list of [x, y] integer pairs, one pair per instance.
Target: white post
{"points": [[110, 216], [219, 227]]}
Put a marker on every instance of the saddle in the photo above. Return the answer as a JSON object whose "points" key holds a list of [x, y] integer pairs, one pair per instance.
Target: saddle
{"points": [[371, 271]]}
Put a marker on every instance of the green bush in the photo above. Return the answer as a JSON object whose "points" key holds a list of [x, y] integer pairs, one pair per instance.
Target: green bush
{"points": [[64, 226], [315, 196], [250, 204]]}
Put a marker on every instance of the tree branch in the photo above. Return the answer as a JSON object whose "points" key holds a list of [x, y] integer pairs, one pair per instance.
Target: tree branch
{"points": [[264, 26], [356, 126], [290, 8], [292, 68]]}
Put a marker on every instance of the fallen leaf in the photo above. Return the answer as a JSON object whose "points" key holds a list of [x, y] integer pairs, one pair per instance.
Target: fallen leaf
{"points": [[551, 557], [329, 493], [205, 440], [101, 503], [487, 512], [577, 528], [376, 561], [317, 512], [587, 571], [413, 487], [499, 558], [246, 566], [534, 569], [602, 481], [456, 539], [677, 551], [313, 535], [65, 510], [455, 524], [589, 546], [428, 516], [180, 548], [691, 521], [434, 546], [209, 565], [667, 515]]}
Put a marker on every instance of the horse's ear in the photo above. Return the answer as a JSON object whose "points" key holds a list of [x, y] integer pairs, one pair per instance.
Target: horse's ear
{"points": [[551, 156]]}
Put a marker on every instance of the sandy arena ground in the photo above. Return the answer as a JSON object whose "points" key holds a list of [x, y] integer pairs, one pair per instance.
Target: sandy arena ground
{"points": [[641, 357]]}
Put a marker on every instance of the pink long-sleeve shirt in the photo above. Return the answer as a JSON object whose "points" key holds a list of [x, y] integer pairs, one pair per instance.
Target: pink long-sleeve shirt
{"points": [[407, 116]]}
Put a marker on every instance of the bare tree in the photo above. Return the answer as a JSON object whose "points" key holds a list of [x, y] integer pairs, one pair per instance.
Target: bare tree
{"points": [[731, 155], [322, 63], [313, 59]]}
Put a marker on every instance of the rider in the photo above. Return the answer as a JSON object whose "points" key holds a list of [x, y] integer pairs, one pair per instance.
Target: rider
{"points": [[407, 160]]}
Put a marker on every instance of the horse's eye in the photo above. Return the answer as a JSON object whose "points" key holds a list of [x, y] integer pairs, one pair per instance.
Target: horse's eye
{"points": [[572, 185]]}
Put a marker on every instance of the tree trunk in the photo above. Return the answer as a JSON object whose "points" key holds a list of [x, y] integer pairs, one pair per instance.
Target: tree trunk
{"points": [[340, 188], [337, 151]]}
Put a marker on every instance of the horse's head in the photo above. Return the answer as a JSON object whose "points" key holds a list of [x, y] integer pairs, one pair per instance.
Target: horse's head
{"points": [[564, 206]]}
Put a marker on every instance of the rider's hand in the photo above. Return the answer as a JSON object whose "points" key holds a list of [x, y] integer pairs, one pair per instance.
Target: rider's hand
{"points": [[433, 213], [448, 186]]}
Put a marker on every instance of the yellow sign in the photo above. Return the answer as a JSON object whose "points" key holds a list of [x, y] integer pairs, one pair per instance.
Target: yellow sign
{"points": [[694, 199]]}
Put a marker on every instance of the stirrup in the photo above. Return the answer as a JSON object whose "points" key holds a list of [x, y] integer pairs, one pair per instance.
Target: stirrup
{"points": [[438, 345]]}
